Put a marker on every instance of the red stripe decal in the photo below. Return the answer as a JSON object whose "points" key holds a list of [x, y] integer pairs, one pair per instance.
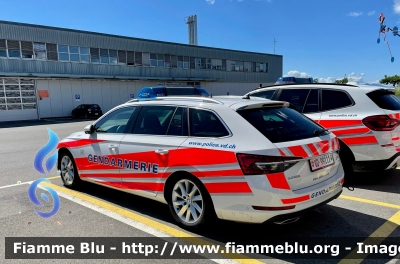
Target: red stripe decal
{"points": [[396, 138], [350, 131], [228, 187], [78, 143], [282, 153], [278, 181], [313, 149], [398, 115], [324, 146], [398, 149], [339, 123], [360, 140], [198, 156], [296, 200], [298, 151]]}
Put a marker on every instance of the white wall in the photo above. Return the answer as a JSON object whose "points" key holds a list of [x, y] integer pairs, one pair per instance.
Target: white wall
{"points": [[16, 115]]}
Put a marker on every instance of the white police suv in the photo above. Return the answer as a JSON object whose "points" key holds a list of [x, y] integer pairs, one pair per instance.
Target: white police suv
{"points": [[245, 160], [365, 118]]}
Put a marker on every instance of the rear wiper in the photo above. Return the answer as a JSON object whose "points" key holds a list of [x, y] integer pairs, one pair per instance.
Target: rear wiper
{"points": [[319, 132]]}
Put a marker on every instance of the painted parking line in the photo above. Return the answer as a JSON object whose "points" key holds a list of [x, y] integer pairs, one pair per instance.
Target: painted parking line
{"points": [[361, 200], [28, 182], [375, 238], [144, 221]]}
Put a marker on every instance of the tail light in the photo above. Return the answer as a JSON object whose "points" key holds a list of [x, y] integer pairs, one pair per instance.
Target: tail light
{"points": [[260, 164], [380, 123]]}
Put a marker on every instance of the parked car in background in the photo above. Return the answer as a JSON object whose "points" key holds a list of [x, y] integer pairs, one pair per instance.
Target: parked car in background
{"points": [[160, 91], [365, 118], [87, 111]]}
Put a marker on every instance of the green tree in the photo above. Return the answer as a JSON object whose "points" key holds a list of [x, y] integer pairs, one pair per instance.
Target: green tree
{"points": [[394, 80], [316, 80], [342, 81]]}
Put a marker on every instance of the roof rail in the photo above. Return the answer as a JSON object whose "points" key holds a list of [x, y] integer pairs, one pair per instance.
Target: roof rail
{"points": [[170, 98], [295, 84]]}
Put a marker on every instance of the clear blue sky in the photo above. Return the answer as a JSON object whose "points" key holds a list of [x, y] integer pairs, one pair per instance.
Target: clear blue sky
{"points": [[320, 38]]}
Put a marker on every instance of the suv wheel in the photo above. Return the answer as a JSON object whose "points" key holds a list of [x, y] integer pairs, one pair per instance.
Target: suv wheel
{"points": [[68, 171], [189, 203]]}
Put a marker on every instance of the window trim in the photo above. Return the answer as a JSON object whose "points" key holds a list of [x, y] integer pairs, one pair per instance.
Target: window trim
{"points": [[216, 114], [80, 55], [339, 90], [319, 101]]}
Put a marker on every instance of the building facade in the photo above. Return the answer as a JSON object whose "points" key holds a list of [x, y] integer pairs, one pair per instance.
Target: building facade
{"points": [[46, 72]]}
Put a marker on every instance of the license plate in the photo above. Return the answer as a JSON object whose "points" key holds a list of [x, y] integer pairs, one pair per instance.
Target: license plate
{"points": [[96, 113], [321, 162]]}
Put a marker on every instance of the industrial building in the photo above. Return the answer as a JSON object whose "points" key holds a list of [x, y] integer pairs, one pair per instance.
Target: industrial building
{"points": [[46, 71]]}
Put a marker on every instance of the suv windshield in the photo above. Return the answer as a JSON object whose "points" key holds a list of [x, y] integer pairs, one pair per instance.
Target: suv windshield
{"points": [[385, 99], [281, 124]]}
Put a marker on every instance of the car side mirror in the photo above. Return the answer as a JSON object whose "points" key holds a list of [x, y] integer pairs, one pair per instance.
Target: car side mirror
{"points": [[90, 129]]}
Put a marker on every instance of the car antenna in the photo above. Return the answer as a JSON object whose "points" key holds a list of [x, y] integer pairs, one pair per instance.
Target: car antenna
{"points": [[211, 95]]}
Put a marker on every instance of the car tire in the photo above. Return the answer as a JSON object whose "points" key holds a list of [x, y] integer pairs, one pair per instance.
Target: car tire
{"points": [[199, 208], [68, 171], [347, 159]]}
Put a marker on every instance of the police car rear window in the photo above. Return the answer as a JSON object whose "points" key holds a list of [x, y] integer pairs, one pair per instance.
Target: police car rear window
{"points": [[385, 100], [281, 124]]}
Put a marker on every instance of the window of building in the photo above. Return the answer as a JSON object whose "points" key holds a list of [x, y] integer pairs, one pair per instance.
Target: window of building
{"points": [[39, 50], [203, 63], [145, 59], [257, 67], [224, 65], [333, 99], [94, 55], [197, 62], [180, 62], [167, 58], [262, 67], [13, 49], [185, 62], [153, 59], [130, 58], [104, 56], [216, 64], [74, 53], [205, 123], [239, 66], [233, 66], [208, 64], [63, 53], [26, 49], [139, 58], [122, 57], [113, 56], [174, 61], [192, 63], [52, 52], [266, 67], [248, 66], [3, 49], [160, 60], [85, 54], [154, 120]]}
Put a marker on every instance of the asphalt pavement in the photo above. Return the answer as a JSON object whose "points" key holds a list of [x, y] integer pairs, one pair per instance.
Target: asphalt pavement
{"points": [[372, 208]]}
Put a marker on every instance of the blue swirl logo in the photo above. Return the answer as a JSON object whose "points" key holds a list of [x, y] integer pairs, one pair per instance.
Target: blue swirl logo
{"points": [[44, 151], [50, 162], [34, 199]]}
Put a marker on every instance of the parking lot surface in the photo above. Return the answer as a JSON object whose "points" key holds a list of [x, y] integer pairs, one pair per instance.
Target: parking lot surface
{"points": [[371, 209]]}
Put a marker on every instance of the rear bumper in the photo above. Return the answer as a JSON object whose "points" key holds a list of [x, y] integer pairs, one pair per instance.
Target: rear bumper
{"points": [[377, 165]]}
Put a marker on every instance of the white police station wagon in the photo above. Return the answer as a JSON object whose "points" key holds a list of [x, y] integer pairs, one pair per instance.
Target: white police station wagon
{"points": [[245, 160]]}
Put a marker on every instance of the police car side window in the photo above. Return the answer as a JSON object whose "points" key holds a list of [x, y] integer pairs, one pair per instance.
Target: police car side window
{"points": [[205, 123], [333, 99], [178, 123], [312, 102], [116, 121], [264, 94], [154, 120], [296, 97]]}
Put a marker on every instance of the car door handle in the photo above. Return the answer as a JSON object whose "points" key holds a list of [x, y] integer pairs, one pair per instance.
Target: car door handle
{"points": [[112, 146], [161, 151]]}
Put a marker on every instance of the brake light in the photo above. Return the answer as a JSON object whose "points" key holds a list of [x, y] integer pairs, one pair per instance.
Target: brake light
{"points": [[380, 123], [260, 164]]}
